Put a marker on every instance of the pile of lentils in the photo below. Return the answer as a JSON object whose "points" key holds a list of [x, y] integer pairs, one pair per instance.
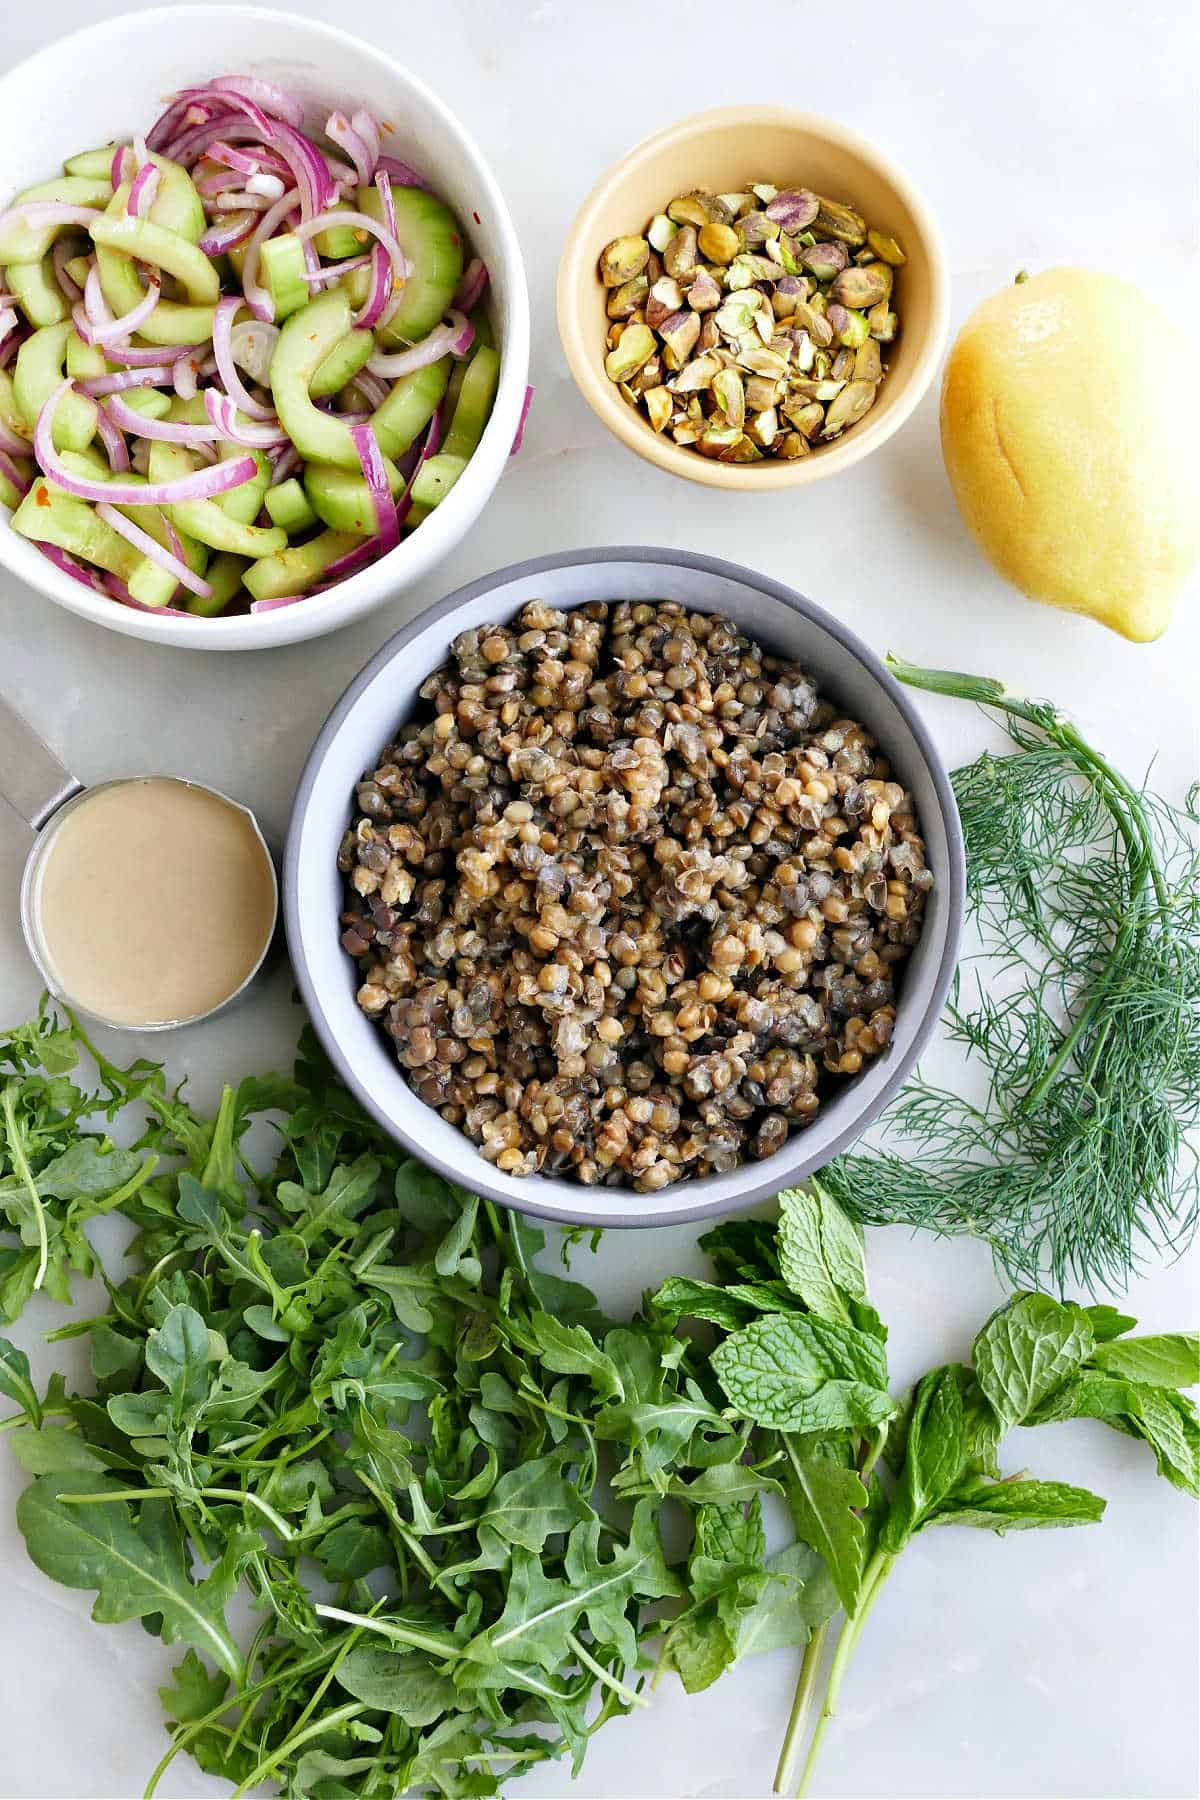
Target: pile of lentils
{"points": [[628, 895]]}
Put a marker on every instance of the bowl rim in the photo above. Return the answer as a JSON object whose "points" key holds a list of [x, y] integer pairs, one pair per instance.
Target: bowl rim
{"points": [[642, 1211], [575, 268], [413, 558]]}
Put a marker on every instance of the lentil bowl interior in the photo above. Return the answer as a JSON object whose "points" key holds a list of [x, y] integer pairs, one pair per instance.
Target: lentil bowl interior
{"points": [[367, 719]]}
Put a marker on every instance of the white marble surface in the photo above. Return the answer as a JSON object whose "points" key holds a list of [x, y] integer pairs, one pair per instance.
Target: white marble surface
{"points": [[1049, 1664]]}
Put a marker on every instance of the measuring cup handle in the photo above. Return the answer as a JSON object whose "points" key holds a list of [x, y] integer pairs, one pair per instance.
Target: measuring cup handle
{"points": [[32, 779]]}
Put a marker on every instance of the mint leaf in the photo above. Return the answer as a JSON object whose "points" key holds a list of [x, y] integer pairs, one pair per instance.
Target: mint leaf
{"points": [[825, 1497], [1169, 1361], [820, 1252], [1107, 1322], [1019, 1506], [1026, 1349], [937, 1449], [1087, 1395], [796, 1373], [1169, 1424]]}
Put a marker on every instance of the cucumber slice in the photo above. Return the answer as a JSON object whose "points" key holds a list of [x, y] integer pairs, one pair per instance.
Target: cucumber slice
{"points": [[409, 407], [289, 507], [306, 340], [164, 249], [22, 243], [340, 241], [474, 406], [150, 403], [341, 498], [224, 575], [178, 212], [94, 163], [243, 504], [78, 268], [176, 205], [282, 269], [9, 495], [206, 519], [10, 413], [38, 293], [432, 240], [83, 361], [38, 371], [342, 364], [49, 516], [293, 571], [435, 477]]}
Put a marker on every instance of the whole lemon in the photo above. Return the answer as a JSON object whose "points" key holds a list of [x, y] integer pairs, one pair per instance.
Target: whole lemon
{"points": [[1069, 416]]}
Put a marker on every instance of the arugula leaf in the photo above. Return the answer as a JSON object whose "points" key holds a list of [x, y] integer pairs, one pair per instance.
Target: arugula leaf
{"points": [[16, 1382], [572, 1350], [178, 1353], [801, 1374], [1017, 1506], [395, 1681], [532, 1501], [1026, 1350], [825, 1497], [194, 1691], [1169, 1361], [137, 1570], [52, 1451], [936, 1454]]}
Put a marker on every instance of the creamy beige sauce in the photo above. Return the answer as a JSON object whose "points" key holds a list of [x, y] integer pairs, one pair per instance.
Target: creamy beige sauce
{"points": [[154, 901]]}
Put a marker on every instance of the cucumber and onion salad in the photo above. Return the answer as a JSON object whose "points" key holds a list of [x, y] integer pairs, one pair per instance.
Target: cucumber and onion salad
{"points": [[235, 364]]}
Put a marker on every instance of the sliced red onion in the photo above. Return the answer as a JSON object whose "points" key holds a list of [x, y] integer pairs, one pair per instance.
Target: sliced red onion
{"points": [[242, 201], [317, 187], [12, 473], [225, 352], [368, 130], [141, 540], [247, 162], [116, 173], [209, 96], [253, 343], [115, 447], [219, 182], [379, 291], [357, 221], [10, 319], [402, 173], [330, 271], [223, 413], [120, 592], [12, 343], [166, 431], [155, 356], [471, 287], [284, 464], [169, 123], [183, 377], [201, 484], [103, 329], [48, 212], [266, 187], [375, 475], [520, 437], [86, 577], [341, 132], [433, 438], [193, 143], [228, 234], [264, 94], [358, 558], [383, 183], [60, 256], [454, 338], [373, 391], [264, 606], [257, 298], [142, 191], [159, 375]]}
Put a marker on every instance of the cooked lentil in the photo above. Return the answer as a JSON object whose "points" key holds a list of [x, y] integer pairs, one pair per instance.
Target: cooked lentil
{"points": [[628, 895]]}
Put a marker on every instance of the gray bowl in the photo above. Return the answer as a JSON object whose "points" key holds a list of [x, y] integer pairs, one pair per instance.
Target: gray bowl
{"points": [[365, 718]]}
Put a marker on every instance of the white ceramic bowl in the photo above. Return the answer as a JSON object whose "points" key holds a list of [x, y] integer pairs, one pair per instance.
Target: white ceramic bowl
{"points": [[384, 694], [111, 81]]}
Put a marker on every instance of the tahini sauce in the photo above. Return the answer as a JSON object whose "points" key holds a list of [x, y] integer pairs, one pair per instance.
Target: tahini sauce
{"points": [[154, 902]]}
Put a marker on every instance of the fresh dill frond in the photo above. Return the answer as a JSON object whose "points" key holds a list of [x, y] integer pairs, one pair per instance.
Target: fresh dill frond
{"points": [[1082, 1010]]}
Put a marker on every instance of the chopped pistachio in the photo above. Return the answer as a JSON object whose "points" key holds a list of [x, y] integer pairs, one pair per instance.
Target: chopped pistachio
{"points": [[621, 260], [719, 441], [824, 260], [704, 293], [679, 257], [756, 228], [687, 433], [648, 376], [625, 300], [636, 347], [843, 365], [763, 428], [659, 407], [806, 352], [822, 363], [774, 254], [679, 334], [737, 204], [850, 328], [808, 416], [696, 376], [855, 399], [690, 209], [886, 248], [737, 314], [765, 361], [764, 192], [666, 297], [718, 243], [882, 323], [794, 209], [867, 363], [761, 393], [660, 232], [789, 291], [709, 337], [730, 396], [790, 446], [861, 287], [841, 222]]}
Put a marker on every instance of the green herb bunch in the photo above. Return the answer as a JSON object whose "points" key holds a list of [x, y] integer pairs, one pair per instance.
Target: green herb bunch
{"points": [[1081, 1010]]}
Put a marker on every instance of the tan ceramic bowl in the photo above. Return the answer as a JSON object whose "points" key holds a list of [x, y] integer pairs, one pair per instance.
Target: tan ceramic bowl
{"points": [[721, 151]]}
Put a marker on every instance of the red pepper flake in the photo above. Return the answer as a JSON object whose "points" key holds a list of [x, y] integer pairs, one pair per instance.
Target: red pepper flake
{"points": [[477, 218], [42, 497]]}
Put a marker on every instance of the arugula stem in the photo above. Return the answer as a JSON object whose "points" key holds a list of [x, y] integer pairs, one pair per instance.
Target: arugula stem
{"points": [[15, 1420], [402, 1634], [878, 1570], [588, 1661], [164, 1493], [341, 1715]]}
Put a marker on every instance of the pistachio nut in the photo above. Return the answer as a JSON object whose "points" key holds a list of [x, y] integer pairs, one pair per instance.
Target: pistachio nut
{"points": [[621, 260], [756, 228], [690, 209], [860, 287], [867, 363], [636, 346], [855, 399], [704, 293], [824, 260], [744, 451], [794, 209], [763, 192], [790, 446], [687, 433], [697, 376], [660, 231], [730, 396], [841, 222], [850, 328], [737, 314], [709, 337], [679, 334], [807, 416], [625, 300], [761, 393], [822, 362], [718, 243], [679, 257], [791, 254], [659, 407], [765, 361], [763, 428], [790, 290], [882, 323], [628, 394], [719, 441], [665, 298], [886, 248], [648, 376], [843, 365], [774, 255], [737, 204]]}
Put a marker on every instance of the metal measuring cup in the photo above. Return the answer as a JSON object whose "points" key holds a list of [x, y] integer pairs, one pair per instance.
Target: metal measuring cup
{"points": [[45, 793]]}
